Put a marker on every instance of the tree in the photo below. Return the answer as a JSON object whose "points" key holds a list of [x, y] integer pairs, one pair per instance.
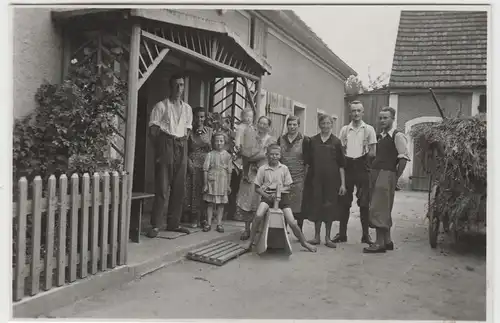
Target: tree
{"points": [[353, 86], [377, 83]]}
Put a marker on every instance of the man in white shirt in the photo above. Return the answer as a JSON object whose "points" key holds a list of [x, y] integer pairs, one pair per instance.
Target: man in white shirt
{"points": [[170, 123], [359, 143]]}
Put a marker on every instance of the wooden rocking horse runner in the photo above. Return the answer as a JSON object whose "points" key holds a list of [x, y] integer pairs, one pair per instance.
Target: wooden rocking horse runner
{"points": [[272, 232]]}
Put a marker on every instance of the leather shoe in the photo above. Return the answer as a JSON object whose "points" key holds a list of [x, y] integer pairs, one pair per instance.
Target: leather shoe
{"points": [[180, 230], [374, 248], [153, 233], [366, 239], [339, 238]]}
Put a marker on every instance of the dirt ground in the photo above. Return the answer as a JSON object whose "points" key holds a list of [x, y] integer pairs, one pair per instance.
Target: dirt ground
{"points": [[413, 282]]}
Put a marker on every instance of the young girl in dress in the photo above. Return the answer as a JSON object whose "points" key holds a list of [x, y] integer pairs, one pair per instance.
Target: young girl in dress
{"points": [[217, 171]]}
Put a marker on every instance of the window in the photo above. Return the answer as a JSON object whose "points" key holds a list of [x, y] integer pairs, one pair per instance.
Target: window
{"points": [[482, 104]]}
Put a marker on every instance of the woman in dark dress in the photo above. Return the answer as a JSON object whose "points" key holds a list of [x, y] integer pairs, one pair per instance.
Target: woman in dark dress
{"points": [[325, 180], [293, 151], [199, 145]]}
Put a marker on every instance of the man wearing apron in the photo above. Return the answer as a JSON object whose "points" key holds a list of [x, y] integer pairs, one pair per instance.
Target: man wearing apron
{"points": [[358, 141], [170, 124], [386, 169]]}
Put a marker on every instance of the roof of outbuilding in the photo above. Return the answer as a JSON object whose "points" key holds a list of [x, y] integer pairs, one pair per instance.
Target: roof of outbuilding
{"points": [[440, 49]]}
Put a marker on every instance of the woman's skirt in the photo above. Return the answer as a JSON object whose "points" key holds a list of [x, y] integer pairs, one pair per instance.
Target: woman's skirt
{"points": [[193, 201]]}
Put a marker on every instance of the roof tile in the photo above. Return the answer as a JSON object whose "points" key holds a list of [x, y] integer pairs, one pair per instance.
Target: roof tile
{"points": [[440, 49]]}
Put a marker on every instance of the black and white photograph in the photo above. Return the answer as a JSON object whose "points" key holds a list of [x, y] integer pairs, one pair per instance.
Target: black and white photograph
{"points": [[250, 161]]}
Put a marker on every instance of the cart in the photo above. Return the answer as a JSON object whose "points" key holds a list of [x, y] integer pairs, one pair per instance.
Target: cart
{"points": [[455, 228]]}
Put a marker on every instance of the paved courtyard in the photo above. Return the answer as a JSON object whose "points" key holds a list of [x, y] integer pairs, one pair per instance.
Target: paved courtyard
{"points": [[413, 282]]}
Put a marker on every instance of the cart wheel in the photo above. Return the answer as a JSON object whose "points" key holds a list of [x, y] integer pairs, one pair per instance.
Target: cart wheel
{"points": [[433, 228]]}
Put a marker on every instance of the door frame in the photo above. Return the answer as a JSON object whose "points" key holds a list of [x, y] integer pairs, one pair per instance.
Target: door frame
{"points": [[408, 172]]}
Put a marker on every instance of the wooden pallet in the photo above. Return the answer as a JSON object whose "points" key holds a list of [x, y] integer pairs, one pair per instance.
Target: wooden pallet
{"points": [[217, 253]]}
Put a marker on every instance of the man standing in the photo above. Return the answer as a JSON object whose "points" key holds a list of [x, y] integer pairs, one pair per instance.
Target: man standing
{"points": [[358, 141], [170, 124], [389, 164]]}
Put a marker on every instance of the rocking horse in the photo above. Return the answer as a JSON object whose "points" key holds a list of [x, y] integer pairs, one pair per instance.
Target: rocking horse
{"points": [[272, 233]]}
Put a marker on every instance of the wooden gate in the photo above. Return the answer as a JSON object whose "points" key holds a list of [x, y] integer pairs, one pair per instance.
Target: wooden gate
{"points": [[420, 178]]}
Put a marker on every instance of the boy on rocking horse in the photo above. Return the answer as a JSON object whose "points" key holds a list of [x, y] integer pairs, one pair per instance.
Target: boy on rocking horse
{"points": [[267, 180]]}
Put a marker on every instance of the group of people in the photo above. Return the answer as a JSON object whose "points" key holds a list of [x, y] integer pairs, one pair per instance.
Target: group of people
{"points": [[194, 164]]}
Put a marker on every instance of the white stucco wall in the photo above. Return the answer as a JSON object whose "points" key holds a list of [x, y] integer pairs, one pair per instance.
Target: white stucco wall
{"points": [[37, 55]]}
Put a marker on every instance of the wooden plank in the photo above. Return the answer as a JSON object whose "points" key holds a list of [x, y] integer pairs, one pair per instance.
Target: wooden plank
{"points": [[84, 229], [135, 220], [44, 202], [41, 266], [63, 213], [208, 246], [94, 223], [209, 250], [21, 240], [75, 206], [223, 99], [152, 67], [214, 48], [258, 98], [249, 96], [141, 196], [133, 91], [36, 235], [219, 253], [143, 62], [49, 236], [122, 227], [217, 250], [105, 222], [198, 56], [147, 50], [235, 90], [232, 254], [115, 206], [192, 41]]}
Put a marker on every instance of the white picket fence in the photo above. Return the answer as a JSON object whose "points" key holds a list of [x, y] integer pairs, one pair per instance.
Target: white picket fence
{"points": [[72, 234]]}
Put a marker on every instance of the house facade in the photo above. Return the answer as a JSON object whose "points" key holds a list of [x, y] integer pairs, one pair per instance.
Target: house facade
{"points": [[305, 73], [445, 51], [306, 77]]}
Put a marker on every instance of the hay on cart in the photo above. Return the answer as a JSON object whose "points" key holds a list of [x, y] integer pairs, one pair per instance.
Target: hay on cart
{"points": [[454, 154]]}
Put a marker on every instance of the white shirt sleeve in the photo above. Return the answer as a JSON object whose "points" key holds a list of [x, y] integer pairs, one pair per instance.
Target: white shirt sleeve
{"points": [[372, 136], [401, 146], [157, 115], [342, 136], [259, 178], [189, 116]]}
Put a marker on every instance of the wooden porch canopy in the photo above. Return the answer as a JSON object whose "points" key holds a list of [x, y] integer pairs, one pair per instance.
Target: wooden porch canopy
{"points": [[146, 37]]}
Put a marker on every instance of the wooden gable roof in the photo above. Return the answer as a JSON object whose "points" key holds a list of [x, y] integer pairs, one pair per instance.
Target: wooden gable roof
{"points": [[440, 49]]}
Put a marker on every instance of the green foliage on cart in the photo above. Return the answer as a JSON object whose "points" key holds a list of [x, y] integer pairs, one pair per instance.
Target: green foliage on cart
{"points": [[454, 153]]}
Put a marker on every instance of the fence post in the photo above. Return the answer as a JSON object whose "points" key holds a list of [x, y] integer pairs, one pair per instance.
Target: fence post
{"points": [[105, 222], [49, 246], [84, 230], [94, 223], [123, 220], [115, 207], [20, 251], [75, 205], [36, 235], [63, 213]]}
